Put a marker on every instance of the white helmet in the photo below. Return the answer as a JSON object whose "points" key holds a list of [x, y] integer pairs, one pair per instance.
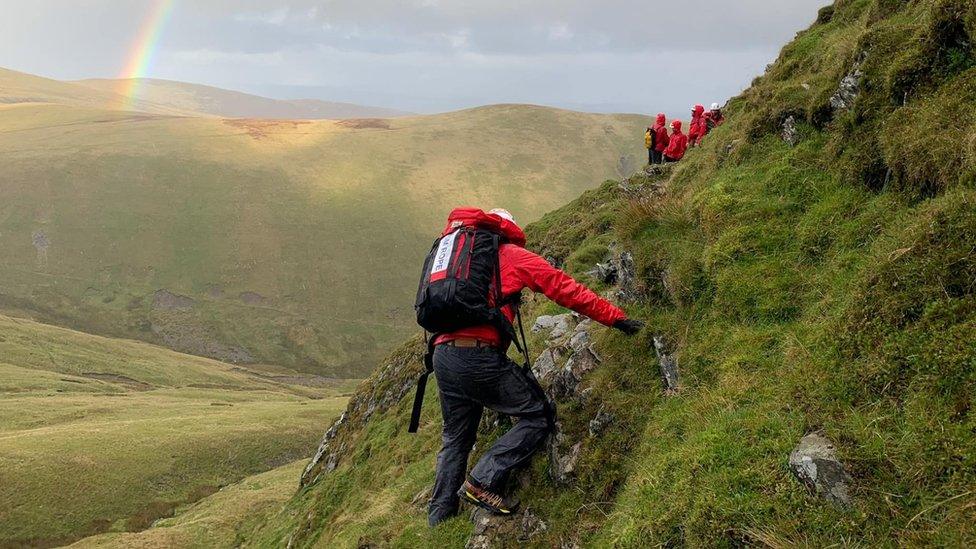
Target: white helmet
{"points": [[715, 106], [504, 214]]}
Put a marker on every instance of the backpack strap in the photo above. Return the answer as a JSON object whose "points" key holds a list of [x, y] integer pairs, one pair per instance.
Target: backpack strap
{"points": [[418, 399]]}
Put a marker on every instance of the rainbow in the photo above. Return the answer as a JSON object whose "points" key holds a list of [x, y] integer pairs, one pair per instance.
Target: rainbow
{"points": [[143, 51]]}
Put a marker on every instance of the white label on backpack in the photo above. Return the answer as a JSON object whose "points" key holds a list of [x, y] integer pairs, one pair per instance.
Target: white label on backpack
{"points": [[442, 258]]}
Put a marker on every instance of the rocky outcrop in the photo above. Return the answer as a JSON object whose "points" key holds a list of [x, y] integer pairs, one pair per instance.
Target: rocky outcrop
{"points": [[790, 132], [850, 86], [385, 389], [814, 462], [618, 270], [557, 325], [491, 531]]}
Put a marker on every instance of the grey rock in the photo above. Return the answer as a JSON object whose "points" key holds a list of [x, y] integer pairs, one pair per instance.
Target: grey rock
{"points": [[850, 86], [790, 132], [494, 531], [606, 272], [814, 463], [668, 365], [557, 325], [545, 366], [600, 422], [562, 464], [325, 453]]}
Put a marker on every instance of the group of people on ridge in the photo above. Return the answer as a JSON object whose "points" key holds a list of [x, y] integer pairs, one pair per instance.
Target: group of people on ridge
{"points": [[663, 147]]}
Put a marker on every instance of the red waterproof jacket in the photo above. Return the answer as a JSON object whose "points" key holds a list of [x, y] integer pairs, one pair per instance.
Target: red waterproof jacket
{"points": [[698, 128], [660, 130], [521, 269], [679, 143]]}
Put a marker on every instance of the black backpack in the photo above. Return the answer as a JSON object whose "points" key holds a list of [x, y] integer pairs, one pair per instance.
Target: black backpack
{"points": [[460, 287], [460, 281]]}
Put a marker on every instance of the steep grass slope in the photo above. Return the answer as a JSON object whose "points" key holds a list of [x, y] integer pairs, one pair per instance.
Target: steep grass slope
{"points": [[208, 100], [99, 434], [828, 285], [287, 242]]}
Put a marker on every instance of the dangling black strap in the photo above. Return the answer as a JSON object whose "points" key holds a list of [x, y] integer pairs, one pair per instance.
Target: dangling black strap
{"points": [[418, 399]]}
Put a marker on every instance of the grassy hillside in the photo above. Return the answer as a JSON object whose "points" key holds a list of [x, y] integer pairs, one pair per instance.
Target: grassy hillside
{"points": [[825, 286], [207, 100], [22, 88], [224, 519], [99, 434], [288, 242]]}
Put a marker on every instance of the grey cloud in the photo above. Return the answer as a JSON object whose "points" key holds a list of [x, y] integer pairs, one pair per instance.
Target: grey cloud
{"points": [[425, 55]]}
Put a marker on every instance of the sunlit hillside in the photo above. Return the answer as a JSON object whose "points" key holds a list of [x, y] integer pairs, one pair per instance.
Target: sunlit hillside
{"points": [[251, 240], [207, 100]]}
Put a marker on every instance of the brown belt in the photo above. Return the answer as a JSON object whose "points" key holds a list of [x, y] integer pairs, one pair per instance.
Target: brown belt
{"points": [[467, 342]]}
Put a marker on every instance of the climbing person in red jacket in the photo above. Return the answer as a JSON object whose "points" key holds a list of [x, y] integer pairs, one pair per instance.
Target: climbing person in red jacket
{"points": [[697, 128], [660, 131], [474, 373], [714, 118], [677, 145]]}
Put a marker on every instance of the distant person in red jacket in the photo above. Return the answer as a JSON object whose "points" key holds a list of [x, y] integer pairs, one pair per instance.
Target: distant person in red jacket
{"points": [[714, 118], [473, 373], [661, 139], [697, 129], [677, 145]]}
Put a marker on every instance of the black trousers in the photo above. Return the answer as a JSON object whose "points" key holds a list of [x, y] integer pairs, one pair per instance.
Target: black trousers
{"points": [[470, 379], [657, 157]]}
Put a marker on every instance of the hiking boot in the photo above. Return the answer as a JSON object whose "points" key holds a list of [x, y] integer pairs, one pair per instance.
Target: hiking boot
{"points": [[474, 494]]}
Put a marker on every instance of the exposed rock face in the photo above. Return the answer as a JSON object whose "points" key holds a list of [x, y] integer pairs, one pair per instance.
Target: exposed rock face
{"points": [[328, 462], [850, 87], [379, 393], [558, 325], [491, 531], [168, 301], [790, 133], [668, 365], [814, 462]]}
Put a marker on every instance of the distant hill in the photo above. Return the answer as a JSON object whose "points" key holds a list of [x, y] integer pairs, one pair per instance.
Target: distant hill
{"points": [[253, 240], [213, 101], [22, 88]]}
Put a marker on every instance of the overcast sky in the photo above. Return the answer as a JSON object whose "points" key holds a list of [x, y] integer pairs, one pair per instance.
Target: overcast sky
{"points": [[424, 55]]}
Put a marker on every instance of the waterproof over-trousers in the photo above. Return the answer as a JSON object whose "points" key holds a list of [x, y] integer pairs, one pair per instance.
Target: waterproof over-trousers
{"points": [[470, 379]]}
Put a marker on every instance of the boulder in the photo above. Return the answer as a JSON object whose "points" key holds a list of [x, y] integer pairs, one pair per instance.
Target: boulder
{"points": [[557, 325], [814, 463]]}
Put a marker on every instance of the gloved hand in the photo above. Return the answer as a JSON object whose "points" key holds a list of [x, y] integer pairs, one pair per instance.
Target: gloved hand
{"points": [[628, 326]]}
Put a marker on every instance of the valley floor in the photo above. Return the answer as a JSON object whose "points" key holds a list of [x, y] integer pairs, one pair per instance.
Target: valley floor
{"points": [[103, 435]]}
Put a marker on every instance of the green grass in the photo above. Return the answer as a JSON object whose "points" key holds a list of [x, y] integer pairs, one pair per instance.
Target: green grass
{"points": [[324, 221], [224, 519], [824, 287], [109, 435]]}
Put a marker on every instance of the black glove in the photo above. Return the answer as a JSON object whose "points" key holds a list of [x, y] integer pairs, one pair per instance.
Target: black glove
{"points": [[628, 326]]}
